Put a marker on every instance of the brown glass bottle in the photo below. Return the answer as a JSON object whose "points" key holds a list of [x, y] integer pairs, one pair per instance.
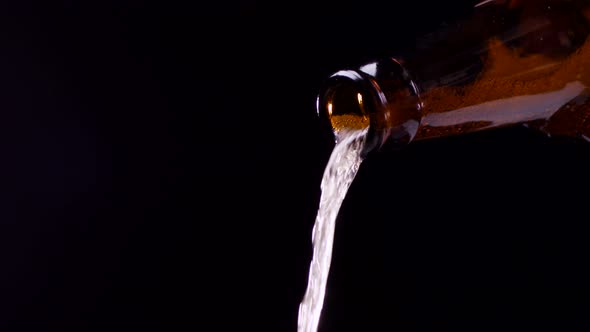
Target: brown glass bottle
{"points": [[512, 62]]}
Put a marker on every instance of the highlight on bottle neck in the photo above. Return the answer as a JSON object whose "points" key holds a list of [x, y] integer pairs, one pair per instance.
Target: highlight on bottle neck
{"points": [[379, 97]]}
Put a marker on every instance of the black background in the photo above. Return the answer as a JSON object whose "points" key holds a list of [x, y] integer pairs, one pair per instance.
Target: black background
{"points": [[162, 161]]}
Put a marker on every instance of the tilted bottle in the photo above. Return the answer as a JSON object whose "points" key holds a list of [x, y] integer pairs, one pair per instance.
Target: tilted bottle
{"points": [[512, 62]]}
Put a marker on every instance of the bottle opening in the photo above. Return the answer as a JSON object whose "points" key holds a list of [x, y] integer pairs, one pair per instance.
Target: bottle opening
{"points": [[343, 103], [384, 101], [346, 108]]}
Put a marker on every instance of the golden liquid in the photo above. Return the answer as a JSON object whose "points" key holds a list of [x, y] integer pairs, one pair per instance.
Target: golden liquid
{"points": [[349, 122]]}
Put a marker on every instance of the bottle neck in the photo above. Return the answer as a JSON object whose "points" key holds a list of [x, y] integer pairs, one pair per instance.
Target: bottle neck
{"points": [[527, 63], [516, 62]]}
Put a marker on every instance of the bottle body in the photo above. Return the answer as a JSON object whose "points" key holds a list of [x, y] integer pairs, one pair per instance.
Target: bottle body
{"points": [[511, 62]]}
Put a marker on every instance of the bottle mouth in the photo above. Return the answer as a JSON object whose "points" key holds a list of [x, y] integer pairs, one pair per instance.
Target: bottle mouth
{"points": [[343, 103], [346, 104], [385, 103]]}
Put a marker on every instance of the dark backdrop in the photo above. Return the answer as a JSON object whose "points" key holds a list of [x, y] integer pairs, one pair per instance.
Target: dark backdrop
{"points": [[161, 168]]}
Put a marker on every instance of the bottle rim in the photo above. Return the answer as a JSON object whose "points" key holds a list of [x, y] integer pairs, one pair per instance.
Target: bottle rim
{"points": [[355, 99]]}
